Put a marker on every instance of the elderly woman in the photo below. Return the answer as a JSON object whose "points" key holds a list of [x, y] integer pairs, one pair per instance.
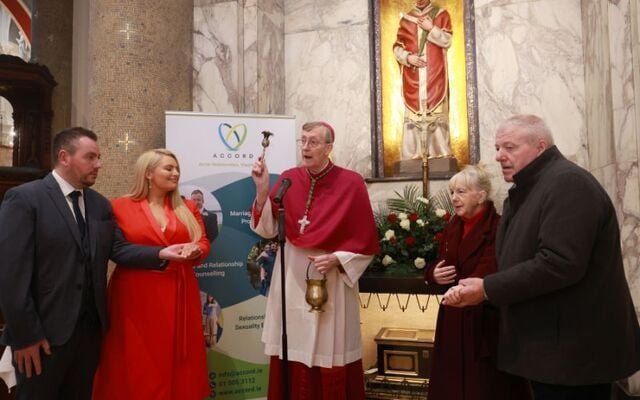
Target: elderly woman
{"points": [[463, 366]]}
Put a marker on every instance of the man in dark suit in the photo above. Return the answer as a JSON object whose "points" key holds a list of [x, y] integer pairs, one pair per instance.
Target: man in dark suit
{"points": [[56, 238], [210, 218], [568, 323]]}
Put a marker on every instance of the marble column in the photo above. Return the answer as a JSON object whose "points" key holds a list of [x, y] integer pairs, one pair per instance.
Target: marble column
{"points": [[238, 60], [611, 60], [598, 96], [624, 36], [328, 70], [52, 28], [138, 66]]}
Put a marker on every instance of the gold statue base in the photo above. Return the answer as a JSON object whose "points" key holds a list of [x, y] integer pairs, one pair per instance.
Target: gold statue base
{"points": [[439, 168]]}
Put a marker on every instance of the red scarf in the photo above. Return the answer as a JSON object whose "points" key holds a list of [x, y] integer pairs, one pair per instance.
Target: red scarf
{"points": [[340, 214], [469, 223]]}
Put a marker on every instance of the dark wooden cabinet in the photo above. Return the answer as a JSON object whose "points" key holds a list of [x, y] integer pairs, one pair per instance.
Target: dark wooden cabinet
{"points": [[28, 87]]}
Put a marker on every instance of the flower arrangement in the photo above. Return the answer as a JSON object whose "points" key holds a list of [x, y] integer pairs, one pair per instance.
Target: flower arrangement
{"points": [[410, 229]]}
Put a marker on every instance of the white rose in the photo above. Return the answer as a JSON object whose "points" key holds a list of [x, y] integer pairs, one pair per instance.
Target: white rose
{"points": [[405, 224], [390, 234], [387, 260], [403, 216], [420, 222], [423, 200], [440, 212], [419, 262]]}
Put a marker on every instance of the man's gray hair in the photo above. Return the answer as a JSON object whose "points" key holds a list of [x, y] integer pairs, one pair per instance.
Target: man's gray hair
{"points": [[528, 125]]}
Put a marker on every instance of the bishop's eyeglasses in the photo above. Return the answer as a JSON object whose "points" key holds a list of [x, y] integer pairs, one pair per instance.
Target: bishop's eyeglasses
{"points": [[311, 143]]}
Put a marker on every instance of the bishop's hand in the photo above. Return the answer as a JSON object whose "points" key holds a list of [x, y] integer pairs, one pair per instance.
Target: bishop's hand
{"points": [[325, 263], [260, 176]]}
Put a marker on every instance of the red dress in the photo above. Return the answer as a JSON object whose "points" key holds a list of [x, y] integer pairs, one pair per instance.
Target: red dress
{"points": [[154, 348], [464, 356]]}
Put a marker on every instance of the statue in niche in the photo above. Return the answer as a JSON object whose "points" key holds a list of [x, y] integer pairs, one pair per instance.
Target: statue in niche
{"points": [[424, 35], [24, 50]]}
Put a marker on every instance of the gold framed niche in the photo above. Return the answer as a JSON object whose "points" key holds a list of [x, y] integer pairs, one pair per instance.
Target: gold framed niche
{"points": [[389, 108]]}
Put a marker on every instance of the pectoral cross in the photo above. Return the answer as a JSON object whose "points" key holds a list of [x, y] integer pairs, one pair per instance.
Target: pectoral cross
{"points": [[303, 223]]}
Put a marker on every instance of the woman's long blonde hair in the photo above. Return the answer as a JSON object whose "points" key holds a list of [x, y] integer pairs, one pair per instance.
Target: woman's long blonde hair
{"points": [[148, 161]]}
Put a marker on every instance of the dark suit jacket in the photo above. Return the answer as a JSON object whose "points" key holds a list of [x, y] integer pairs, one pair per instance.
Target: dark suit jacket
{"points": [[566, 314], [210, 220], [42, 261]]}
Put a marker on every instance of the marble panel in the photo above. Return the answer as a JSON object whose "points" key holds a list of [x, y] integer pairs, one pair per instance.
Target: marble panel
{"points": [[313, 15], [635, 50], [250, 25], [269, 6], [499, 3], [620, 45], [599, 109], [625, 133], [328, 78], [626, 15], [205, 3], [216, 58], [270, 58], [630, 229], [530, 60], [630, 195]]}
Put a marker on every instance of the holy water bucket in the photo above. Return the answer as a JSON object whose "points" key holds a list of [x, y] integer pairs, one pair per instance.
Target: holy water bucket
{"points": [[316, 294]]}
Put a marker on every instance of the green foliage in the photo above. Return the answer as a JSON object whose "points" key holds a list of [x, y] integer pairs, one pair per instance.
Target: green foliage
{"points": [[407, 226]]}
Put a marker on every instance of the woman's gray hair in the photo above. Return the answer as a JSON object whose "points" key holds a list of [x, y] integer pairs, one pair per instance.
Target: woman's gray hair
{"points": [[472, 176]]}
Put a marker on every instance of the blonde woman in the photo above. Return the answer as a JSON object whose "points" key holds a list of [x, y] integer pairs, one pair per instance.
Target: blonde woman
{"points": [[153, 349]]}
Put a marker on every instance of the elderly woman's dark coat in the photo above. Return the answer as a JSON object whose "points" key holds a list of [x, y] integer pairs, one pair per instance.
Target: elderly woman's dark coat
{"points": [[463, 365]]}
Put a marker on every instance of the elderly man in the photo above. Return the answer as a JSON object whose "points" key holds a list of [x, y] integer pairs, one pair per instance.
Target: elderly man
{"points": [[567, 319], [329, 223]]}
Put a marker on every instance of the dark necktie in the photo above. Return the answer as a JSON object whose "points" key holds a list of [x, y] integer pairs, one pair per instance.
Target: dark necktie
{"points": [[75, 195], [88, 309]]}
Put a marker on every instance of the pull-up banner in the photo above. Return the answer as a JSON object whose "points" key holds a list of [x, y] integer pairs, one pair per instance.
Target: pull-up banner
{"points": [[216, 153]]}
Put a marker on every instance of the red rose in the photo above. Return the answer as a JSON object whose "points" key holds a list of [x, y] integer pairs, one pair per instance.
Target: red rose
{"points": [[392, 218], [439, 237], [410, 241], [446, 217], [413, 217]]}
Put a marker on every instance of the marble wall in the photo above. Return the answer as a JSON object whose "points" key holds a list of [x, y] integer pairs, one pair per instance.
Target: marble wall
{"points": [[621, 177], [587, 94], [530, 60], [238, 58], [576, 63], [328, 70]]}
